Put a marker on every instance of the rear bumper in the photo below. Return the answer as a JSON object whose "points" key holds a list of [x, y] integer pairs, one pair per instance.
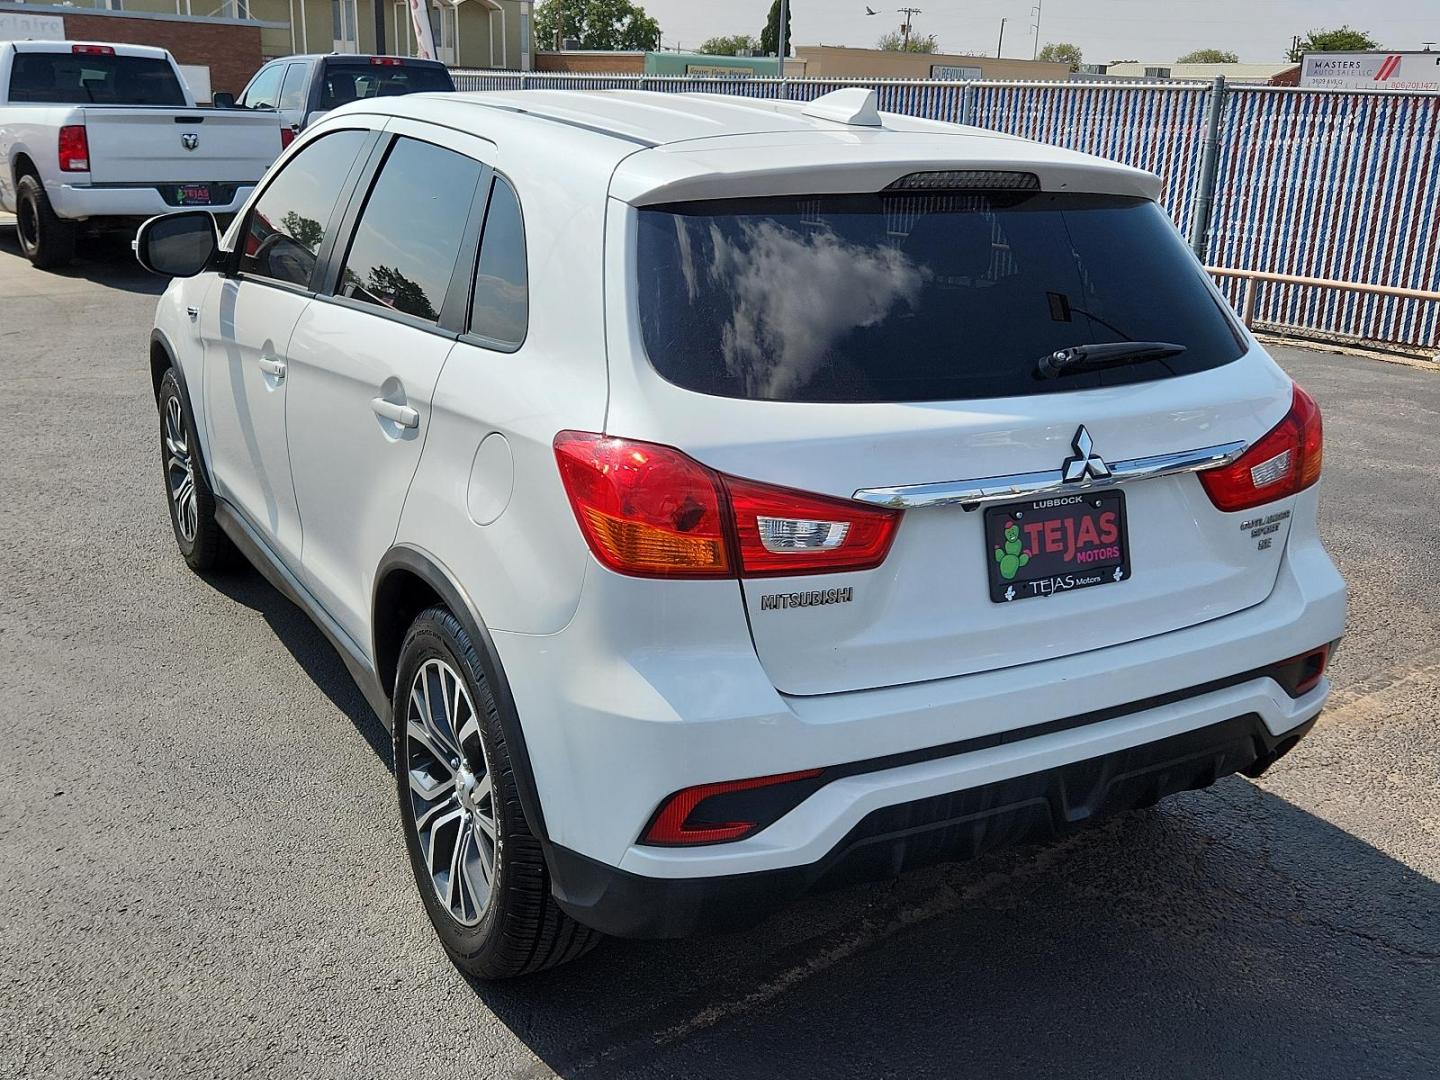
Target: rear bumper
{"points": [[652, 688], [1032, 806], [77, 202]]}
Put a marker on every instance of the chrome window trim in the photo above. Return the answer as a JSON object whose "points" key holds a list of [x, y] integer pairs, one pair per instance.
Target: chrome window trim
{"points": [[972, 493]]}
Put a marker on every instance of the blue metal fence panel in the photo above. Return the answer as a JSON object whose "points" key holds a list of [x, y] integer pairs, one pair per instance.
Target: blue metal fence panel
{"points": [[1157, 128], [1311, 183], [1333, 185]]}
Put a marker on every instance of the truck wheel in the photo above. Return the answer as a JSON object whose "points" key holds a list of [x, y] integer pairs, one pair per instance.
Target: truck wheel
{"points": [[45, 239]]}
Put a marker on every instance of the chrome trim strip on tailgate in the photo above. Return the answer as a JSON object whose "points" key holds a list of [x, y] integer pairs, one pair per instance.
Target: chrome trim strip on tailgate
{"points": [[972, 493]]}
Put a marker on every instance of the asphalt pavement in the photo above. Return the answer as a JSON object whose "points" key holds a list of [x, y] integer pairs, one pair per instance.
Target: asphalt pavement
{"points": [[201, 871]]}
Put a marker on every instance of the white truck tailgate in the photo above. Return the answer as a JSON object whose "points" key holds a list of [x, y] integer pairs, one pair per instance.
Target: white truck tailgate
{"points": [[157, 145]]}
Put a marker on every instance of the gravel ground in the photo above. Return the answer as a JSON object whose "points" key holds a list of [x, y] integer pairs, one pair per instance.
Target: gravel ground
{"points": [[201, 870]]}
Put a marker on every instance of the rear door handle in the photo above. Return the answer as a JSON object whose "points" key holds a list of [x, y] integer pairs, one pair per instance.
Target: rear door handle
{"points": [[403, 415], [273, 367]]}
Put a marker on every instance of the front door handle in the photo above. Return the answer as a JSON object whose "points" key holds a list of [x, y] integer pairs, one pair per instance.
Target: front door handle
{"points": [[403, 415], [273, 367]]}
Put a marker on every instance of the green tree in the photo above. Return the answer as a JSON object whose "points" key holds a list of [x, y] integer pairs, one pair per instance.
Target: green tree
{"points": [[918, 43], [390, 287], [770, 36], [729, 46], [302, 230], [1061, 52], [597, 24], [1345, 39], [1209, 56]]}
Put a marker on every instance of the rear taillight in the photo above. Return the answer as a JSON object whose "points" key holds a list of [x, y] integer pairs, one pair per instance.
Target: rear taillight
{"points": [[652, 511], [93, 50], [791, 532], [1285, 461], [644, 509], [74, 149], [386, 61], [287, 136]]}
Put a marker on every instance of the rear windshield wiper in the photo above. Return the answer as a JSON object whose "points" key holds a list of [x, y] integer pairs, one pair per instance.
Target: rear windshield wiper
{"points": [[1080, 358]]}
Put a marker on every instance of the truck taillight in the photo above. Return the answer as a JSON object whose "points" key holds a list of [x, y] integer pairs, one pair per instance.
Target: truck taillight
{"points": [[652, 511], [1286, 461], [387, 61], [93, 50], [74, 149], [287, 136]]}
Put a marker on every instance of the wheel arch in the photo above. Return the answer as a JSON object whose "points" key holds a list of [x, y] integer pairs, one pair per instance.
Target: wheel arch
{"points": [[23, 165], [408, 581], [163, 359]]}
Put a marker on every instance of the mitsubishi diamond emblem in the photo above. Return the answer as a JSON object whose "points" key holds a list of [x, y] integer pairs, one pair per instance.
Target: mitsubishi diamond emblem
{"points": [[190, 140], [1085, 463]]}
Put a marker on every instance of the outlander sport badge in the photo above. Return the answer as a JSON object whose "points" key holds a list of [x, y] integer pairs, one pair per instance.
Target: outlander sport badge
{"points": [[190, 140], [1085, 462]]}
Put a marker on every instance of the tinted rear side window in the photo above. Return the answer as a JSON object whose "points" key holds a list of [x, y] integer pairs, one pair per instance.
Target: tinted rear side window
{"points": [[915, 297], [91, 79], [500, 307], [344, 83], [406, 244]]}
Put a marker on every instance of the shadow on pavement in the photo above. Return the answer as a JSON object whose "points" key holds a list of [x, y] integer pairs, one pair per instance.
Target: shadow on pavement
{"points": [[293, 628], [105, 260], [1153, 947]]}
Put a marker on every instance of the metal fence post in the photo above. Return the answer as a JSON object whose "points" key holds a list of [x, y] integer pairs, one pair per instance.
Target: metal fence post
{"points": [[522, 80], [1204, 202], [967, 104]]}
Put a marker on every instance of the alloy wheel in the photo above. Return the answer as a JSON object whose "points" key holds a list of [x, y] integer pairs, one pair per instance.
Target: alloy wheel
{"points": [[180, 471], [452, 798]]}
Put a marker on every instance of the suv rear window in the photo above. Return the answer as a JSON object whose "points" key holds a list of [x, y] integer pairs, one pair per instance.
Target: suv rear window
{"points": [[94, 79], [345, 83], [916, 297]]}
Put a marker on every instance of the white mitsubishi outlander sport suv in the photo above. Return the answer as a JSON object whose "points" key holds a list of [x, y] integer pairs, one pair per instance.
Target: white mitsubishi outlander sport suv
{"points": [[721, 498]]}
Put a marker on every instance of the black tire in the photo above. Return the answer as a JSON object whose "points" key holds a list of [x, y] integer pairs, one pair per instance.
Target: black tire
{"points": [[517, 928], [46, 240], [197, 534]]}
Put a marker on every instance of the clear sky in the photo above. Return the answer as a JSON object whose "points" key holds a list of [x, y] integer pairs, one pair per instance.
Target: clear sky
{"points": [[1158, 30]]}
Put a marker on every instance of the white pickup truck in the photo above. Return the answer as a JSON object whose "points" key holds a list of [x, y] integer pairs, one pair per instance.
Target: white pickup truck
{"points": [[103, 136]]}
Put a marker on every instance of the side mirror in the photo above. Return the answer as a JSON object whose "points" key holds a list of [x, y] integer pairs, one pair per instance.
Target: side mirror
{"points": [[314, 116], [178, 245], [222, 100]]}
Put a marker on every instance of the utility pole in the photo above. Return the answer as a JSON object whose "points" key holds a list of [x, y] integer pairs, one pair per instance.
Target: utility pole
{"points": [[559, 25], [999, 48], [782, 36], [1037, 11], [908, 12]]}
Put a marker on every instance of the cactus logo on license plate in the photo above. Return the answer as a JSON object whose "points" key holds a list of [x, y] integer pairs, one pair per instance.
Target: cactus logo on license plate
{"points": [[1056, 545]]}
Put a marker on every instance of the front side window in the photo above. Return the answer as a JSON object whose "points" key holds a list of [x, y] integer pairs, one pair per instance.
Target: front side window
{"points": [[292, 91], [916, 297], [288, 223], [94, 79], [264, 90], [409, 233], [500, 307]]}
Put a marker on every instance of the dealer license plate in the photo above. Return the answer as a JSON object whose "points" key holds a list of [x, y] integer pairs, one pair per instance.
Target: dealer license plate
{"points": [[1056, 544]]}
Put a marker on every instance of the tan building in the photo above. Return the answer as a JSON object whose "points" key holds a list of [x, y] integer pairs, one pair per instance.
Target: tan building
{"points": [[468, 33], [1260, 74], [836, 61]]}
